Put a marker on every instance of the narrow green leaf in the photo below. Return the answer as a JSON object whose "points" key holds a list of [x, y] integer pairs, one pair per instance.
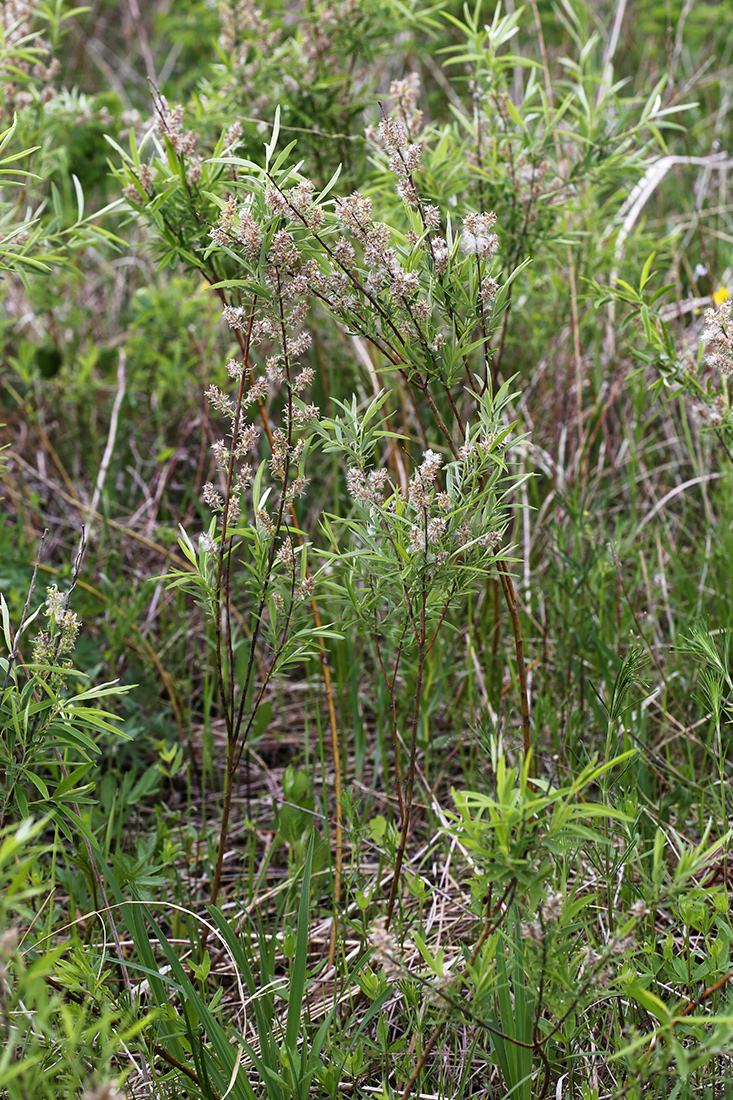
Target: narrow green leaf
{"points": [[298, 970]]}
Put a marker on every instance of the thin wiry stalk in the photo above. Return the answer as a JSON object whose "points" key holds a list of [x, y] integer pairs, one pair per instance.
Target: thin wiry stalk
{"points": [[390, 682], [234, 724], [223, 576], [317, 622], [493, 917], [412, 763]]}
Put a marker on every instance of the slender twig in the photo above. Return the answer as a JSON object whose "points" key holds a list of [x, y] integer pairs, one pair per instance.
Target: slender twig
{"points": [[390, 682], [489, 927], [191, 1074], [412, 763], [317, 622], [543, 968]]}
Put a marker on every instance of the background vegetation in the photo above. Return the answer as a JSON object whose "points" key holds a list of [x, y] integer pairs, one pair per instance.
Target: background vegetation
{"points": [[365, 683]]}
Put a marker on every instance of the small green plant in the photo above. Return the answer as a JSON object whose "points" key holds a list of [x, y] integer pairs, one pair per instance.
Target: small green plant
{"points": [[51, 729], [424, 460], [61, 1024]]}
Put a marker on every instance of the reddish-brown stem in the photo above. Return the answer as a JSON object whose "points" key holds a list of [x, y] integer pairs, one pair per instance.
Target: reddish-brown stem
{"points": [[488, 928], [393, 701], [223, 830], [411, 766], [325, 669], [443, 614]]}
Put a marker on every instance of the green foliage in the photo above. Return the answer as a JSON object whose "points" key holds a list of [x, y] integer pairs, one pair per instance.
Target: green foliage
{"points": [[50, 729], [396, 448], [60, 1022]]}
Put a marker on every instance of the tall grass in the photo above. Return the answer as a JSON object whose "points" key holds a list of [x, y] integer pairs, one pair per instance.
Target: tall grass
{"points": [[366, 686]]}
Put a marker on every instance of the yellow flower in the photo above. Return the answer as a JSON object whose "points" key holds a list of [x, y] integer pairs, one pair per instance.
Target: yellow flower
{"points": [[721, 295]]}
